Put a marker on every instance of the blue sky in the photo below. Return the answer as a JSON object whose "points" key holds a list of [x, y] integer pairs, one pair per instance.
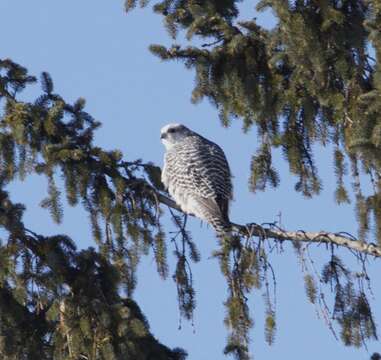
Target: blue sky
{"points": [[94, 50]]}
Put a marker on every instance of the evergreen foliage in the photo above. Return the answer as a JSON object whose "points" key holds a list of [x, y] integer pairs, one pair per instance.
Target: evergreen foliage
{"points": [[309, 80], [57, 302], [315, 78]]}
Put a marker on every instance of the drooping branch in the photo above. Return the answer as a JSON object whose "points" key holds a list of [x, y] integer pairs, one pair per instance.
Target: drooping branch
{"points": [[276, 233]]}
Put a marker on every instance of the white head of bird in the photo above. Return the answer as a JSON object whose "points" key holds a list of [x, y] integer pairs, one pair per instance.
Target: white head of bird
{"points": [[173, 134]]}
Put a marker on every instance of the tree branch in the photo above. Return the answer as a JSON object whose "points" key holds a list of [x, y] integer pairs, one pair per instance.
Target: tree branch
{"points": [[305, 236], [276, 233]]}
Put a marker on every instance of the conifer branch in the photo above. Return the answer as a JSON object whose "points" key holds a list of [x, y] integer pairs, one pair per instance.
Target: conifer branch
{"points": [[339, 239], [274, 232]]}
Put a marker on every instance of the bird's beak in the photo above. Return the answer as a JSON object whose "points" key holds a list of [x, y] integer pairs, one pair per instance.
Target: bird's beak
{"points": [[163, 136]]}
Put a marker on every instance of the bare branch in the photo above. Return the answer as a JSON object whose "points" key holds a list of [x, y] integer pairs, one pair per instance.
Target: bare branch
{"points": [[305, 236], [273, 232]]}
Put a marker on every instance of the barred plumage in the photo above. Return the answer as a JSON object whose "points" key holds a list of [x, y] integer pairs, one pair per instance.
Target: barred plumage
{"points": [[197, 175]]}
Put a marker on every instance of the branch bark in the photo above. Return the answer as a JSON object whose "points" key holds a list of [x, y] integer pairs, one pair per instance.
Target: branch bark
{"points": [[276, 233]]}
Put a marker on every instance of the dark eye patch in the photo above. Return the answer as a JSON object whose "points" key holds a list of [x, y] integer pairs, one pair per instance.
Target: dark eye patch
{"points": [[171, 130]]}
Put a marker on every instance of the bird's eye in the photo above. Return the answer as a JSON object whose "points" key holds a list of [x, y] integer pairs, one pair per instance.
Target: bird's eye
{"points": [[172, 130]]}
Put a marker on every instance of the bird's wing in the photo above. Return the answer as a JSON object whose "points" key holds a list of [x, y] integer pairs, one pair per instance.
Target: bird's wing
{"points": [[210, 171], [200, 166]]}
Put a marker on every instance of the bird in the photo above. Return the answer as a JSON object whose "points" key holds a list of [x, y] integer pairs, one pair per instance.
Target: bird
{"points": [[196, 174]]}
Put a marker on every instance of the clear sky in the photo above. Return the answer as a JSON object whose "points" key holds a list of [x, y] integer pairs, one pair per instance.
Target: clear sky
{"points": [[94, 50]]}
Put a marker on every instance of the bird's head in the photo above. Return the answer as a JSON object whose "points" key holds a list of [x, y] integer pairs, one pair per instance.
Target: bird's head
{"points": [[173, 134]]}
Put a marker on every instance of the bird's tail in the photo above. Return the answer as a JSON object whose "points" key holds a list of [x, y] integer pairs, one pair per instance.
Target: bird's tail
{"points": [[213, 214], [221, 226]]}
